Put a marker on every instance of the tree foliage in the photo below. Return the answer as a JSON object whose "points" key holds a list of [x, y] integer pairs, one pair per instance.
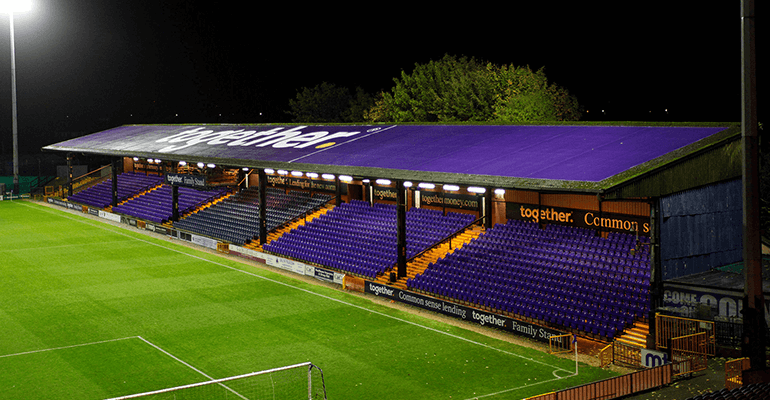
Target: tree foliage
{"points": [[328, 103], [463, 89]]}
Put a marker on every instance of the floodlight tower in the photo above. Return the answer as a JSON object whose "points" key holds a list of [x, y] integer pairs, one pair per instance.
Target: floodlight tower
{"points": [[11, 7]]}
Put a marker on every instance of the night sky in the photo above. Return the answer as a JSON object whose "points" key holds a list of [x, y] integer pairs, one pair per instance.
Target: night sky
{"points": [[88, 65]]}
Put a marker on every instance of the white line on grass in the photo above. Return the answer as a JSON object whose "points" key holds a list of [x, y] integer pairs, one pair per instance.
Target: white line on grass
{"points": [[188, 365], [68, 347], [104, 226]]}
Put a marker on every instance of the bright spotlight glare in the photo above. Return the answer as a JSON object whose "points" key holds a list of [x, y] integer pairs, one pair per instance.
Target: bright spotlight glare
{"points": [[9, 6], [383, 181]]}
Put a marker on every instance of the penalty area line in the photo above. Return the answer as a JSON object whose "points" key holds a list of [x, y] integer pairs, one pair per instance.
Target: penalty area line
{"points": [[68, 347], [164, 245]]}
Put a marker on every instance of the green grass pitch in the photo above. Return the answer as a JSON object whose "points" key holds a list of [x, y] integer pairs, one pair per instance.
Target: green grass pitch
{"points": [[91, 311]]}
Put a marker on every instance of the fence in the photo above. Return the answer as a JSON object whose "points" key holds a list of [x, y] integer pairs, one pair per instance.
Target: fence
{"points": [[559, 344], [668, 327], [734, 372], [618, 386], [688, 353]]}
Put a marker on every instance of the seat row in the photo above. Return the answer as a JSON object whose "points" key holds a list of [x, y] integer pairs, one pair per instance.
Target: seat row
{"points": [[521, 274], [156, 205], [236, 219], [129, 184], [360, 238]]}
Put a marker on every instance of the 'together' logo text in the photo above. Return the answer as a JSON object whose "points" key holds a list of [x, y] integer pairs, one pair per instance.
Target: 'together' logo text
{"points": [[277, 138]]}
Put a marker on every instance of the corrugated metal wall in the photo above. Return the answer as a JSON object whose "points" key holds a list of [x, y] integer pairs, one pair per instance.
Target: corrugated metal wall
{"points": [[701, 229]]}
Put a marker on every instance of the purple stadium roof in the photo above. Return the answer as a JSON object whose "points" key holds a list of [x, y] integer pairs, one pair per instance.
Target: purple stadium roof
{"points": [[565, 153]]}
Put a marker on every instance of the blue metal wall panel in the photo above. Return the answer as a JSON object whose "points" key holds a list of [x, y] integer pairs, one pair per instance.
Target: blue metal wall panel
{"points": [[701, 229]]}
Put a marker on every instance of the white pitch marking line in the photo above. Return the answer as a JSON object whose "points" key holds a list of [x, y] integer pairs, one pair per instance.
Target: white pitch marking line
{"points": [[188, 365], [103, 226], [68, 347]]}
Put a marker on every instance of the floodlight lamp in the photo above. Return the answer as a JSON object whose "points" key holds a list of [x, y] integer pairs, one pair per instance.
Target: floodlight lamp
{"points": [[136, 159], [183, 163], [327, 176], [383, 181], [476, 189], [312, 175], [211, 165], [426, 185], [245, 169], [14, 6], [201, 165], [407, 184], [346, 178], [451, 188], [283, 172], [157, 161], [296, 173], [499, 191], [366, 180], [269, 171], [149, 161]]}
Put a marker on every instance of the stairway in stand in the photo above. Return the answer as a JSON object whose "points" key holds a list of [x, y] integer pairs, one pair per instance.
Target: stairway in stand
{"points": [[636, 335], [418, 265], [254, 245]]}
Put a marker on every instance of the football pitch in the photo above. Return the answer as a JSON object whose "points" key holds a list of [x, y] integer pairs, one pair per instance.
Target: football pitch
{"points": [[89, 310]]}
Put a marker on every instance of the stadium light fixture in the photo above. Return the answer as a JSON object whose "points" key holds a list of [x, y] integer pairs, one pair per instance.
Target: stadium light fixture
{"points": [[157, 161], [407, 184], [269, 171], [201, 165], [245, 169], [296, 173], [451, 188], [136, 159], [346, 178], [426, 185], [327, 176], [183, 163], [312, 175], [211, 165], [283, 172], [383, 182], [476, 189], [366, 180], [10, 7], [499, 192]]}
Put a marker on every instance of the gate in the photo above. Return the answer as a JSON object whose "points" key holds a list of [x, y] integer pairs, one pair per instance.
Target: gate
{"points": [[689, 353], [667, 328]]}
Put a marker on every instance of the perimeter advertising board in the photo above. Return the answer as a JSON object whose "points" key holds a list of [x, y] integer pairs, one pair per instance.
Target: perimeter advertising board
{"points": [[453, 310], [580, 218]]}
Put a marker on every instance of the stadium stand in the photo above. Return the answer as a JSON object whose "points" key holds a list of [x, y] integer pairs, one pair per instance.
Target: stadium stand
{"points": [[236, 218], [361, 239], [756, 391], [129, 184], [155, 205], [561, 275]]}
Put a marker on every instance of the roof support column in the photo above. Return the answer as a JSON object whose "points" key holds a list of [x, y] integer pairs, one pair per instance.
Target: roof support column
{"points": [[488, 208], [656, 273], [262, 207], [174, 203], [69, 174], [401, 227], [753, 343], [115, 181]]}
